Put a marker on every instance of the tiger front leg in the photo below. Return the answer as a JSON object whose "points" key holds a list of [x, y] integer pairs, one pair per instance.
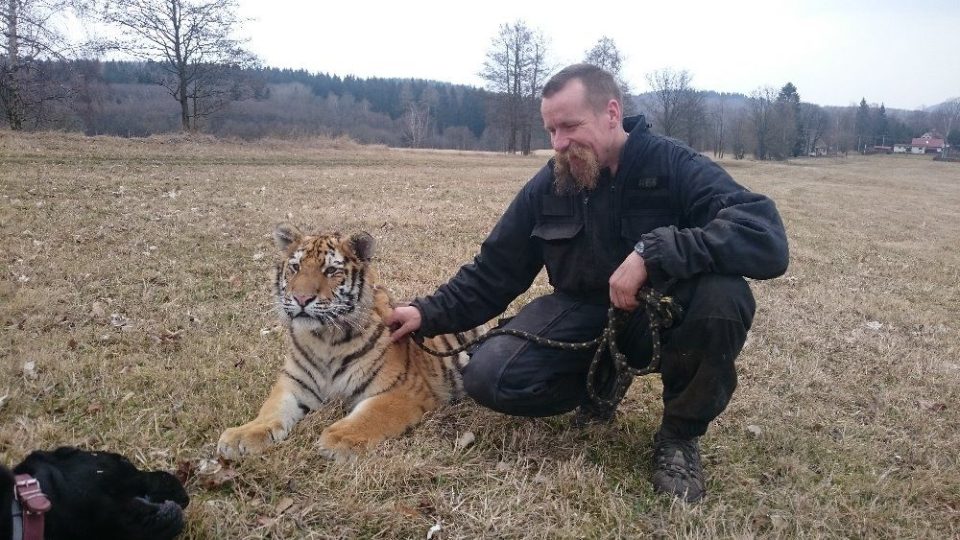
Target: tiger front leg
{"points": [[372, 421], [278, 414]]}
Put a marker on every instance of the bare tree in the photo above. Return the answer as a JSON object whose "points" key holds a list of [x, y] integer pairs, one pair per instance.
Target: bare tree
{"points": [[738, 135], [30, 38], [814, 126], [515, 70], [605, 54], [674, 100], [947, 116], [718, 117], [417, 118], [192, 39], [761, 114]]}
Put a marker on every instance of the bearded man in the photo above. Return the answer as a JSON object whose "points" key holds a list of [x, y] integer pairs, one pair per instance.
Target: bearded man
{"points": [[617, 208]]}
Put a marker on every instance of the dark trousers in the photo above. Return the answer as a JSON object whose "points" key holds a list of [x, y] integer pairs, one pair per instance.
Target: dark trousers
{"points": [[514, 376]]}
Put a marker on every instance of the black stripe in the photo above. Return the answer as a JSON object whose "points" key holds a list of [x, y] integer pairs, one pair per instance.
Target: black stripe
{"points": [[373, 373], [402, 377], [448, 377], [302, 385], [362, 278], [367, 347], [276, 280], [461, 340], [307, 357], [347, 336]]}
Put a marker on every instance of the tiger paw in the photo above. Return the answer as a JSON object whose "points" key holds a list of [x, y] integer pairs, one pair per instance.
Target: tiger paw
{"points": [[244, 440], [341, 440]]}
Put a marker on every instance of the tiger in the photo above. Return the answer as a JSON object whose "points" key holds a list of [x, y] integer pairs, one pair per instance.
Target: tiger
{"points": [[339, 348]]}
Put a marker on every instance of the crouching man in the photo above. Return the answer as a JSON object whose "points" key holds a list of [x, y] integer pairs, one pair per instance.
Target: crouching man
{"points": [[616, 208]]}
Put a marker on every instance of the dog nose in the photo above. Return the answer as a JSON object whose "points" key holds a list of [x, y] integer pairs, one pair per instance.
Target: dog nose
{"points": [[303, 300]]}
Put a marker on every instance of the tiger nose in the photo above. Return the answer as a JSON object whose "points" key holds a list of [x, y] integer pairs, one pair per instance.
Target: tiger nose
{"points": [[303, 300]]}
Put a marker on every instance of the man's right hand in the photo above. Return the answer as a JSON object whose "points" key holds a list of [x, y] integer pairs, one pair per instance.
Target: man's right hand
{"points": [[402, 321]]}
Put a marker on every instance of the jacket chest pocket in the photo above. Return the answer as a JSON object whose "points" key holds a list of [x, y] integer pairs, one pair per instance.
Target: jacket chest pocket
{"points": [[559, 243]]}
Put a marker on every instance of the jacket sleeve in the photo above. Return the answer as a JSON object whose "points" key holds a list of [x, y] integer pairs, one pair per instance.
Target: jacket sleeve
{"points": [[731, 230], [507, 264]]}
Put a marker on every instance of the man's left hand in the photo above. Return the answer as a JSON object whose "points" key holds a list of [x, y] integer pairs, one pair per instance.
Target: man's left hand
{"points": [[626, 282]]}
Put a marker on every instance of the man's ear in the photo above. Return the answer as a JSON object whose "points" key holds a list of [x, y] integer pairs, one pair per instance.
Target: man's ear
{"points": [[362, 246], [286, 234], [615, 113]]}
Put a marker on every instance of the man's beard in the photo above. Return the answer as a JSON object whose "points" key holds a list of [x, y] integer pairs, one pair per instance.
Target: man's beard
{"points": [[573, 176]]}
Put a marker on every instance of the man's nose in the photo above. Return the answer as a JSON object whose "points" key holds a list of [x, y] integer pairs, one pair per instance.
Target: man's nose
{"points": [[560, 143]]}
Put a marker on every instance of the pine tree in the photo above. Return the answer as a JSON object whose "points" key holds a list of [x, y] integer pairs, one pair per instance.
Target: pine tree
{"points": [[862, 126]]}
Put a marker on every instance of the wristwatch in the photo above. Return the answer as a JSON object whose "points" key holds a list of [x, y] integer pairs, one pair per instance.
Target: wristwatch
{"points": [[639, 248]]}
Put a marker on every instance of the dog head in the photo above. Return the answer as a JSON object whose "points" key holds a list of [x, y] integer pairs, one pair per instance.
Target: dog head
{"points": [[103, 495]]}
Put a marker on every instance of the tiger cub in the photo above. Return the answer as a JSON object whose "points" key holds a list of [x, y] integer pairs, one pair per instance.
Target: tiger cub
{"points": [[329, 300]]}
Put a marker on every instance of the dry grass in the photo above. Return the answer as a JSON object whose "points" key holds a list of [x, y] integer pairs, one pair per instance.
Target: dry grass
{"points": [[136, 317]]}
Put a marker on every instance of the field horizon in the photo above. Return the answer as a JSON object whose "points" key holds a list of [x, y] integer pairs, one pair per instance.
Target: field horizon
{"points": [[137, 317]]}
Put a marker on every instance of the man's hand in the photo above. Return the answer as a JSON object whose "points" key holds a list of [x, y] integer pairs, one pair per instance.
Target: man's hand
{"points": [[626, 282], [402, 321]]}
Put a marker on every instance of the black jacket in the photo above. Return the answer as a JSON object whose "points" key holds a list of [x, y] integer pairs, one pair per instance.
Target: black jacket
{"points": [[690, 214]]}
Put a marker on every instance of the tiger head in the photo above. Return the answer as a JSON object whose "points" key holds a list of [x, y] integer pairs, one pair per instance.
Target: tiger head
{"points": [[324, 279]]}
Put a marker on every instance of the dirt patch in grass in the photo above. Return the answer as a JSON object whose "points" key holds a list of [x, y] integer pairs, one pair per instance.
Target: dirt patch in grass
{"points": [[136, 316]]}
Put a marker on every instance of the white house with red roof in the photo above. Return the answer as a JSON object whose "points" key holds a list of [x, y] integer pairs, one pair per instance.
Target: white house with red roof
{"points": [[929, 143]]}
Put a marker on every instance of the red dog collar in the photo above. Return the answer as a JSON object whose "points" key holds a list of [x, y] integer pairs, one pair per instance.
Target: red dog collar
{"points": [[33, 504]]}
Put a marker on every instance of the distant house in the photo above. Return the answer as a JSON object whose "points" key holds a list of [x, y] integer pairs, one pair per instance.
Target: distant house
{"points": [[929, 143]]}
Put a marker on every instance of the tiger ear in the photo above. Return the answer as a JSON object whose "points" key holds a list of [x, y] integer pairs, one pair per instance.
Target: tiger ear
{"points": [[286, 234], [362, 246]]}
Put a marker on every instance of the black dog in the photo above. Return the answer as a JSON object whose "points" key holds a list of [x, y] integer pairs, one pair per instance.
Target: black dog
{"points": [[98, 495]]}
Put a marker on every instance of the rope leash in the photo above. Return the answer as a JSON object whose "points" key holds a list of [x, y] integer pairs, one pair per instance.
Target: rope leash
{"points": [[662, 312]]}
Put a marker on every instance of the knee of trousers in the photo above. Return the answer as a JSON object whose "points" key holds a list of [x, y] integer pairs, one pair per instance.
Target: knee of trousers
{"points": [[720, 296], [502, 376]]}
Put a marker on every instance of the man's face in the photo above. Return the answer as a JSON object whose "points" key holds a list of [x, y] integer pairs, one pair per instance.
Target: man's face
{"points": [[581, 136]]}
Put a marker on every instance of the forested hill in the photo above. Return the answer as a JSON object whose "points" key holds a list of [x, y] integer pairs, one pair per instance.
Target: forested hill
{"points": [[127, 98]]}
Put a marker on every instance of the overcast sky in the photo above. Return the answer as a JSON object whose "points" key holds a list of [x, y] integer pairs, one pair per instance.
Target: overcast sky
{"points": [[901, 53]]}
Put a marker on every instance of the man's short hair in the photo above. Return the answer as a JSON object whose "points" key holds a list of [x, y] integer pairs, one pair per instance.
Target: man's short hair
{"points": [[600, 85]]}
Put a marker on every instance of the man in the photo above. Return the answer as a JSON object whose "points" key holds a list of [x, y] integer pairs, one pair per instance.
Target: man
{"points": [[616, 208]]}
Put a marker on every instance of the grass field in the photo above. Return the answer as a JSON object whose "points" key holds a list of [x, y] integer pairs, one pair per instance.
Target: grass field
{"points": [[136, 317]]}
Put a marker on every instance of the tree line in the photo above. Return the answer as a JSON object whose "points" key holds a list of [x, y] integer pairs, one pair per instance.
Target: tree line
{"points": [[192, 74]]}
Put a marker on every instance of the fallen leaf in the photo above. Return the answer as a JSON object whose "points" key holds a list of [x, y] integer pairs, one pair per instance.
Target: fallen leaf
{"points": [[754, 430], [72, 344], [433, 530], [209, 466], [265, 521], [466, 440], [284, 505], [185, 471], [94, 407], [874, 325], [219, 479], [30, 369]]}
